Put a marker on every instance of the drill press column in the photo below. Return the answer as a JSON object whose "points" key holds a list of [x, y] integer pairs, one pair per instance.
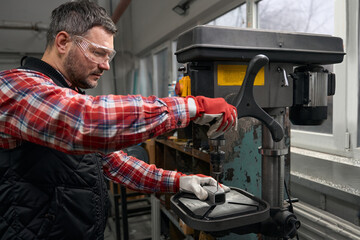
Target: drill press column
{"points": [[273, 154]]}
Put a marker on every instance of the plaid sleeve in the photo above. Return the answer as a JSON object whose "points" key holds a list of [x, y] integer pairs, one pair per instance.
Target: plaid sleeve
{"points": [[138, 175], [34, 109]]}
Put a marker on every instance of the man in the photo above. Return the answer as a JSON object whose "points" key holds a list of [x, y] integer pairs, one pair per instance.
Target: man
{"points": [[56, 143]]}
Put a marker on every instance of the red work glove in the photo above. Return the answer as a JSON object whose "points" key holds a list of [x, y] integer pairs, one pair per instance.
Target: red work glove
{"points": [[178, 89], [210, 109]]}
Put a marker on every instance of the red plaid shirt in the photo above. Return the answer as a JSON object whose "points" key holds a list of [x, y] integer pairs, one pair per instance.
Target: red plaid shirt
{"points": [[33, 108]]}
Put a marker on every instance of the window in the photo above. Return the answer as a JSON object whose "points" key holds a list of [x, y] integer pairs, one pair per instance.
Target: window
{"points": [[144, 83], [176, 73], [327, 156], [153, 74], [161, 74], [320, 17], [310, 16], [233, 18]]}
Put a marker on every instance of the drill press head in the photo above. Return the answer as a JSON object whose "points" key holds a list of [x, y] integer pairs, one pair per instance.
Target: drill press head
{"points": [[217, 58]]}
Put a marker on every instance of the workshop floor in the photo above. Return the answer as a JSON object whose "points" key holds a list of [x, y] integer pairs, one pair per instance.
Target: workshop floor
{"points": [[110, 233], [139, 228]]}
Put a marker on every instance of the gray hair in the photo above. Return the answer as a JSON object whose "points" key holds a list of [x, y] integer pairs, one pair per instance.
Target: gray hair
{"points": [[76, 18]]}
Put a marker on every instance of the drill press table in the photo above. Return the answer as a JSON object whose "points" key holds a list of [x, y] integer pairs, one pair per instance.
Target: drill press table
{"points": [[241, 208]]}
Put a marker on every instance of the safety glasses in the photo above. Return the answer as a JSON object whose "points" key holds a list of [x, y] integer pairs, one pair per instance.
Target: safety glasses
{"points": [[94, 52]]}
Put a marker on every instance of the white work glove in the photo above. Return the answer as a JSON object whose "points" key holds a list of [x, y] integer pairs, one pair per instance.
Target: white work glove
{"points": [[193, 184], [214, 112]]}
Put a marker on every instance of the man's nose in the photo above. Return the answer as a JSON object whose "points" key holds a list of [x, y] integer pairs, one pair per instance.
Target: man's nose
{"points": [[105, 65]]}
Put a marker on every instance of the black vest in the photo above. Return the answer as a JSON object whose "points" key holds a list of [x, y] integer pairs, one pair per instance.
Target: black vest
{"points": [[47, 194]]}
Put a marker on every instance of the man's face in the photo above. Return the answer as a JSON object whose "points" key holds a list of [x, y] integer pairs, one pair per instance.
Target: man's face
{"points": [[81, 68]]}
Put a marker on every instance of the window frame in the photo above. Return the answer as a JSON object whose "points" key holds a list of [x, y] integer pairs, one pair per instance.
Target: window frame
{"points": [[343, 140]]}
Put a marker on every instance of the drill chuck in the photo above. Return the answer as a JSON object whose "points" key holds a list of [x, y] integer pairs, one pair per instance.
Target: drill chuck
{"points": [[217, 159]]}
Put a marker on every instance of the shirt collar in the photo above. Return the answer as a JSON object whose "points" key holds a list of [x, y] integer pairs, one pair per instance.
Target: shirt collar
{"points": [[43, 67], [69, 83]]}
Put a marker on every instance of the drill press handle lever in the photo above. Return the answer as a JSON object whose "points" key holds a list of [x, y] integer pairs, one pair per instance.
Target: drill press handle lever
{"points": [[245, 103]]}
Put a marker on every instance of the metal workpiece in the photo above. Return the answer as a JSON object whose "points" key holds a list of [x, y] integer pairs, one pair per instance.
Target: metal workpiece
{"points": [[216, 195]]}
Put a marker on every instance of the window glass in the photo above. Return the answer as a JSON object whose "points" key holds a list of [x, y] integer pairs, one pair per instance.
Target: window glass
{"points": [[310, 16], [177, 73], [144, 84], [233, 18], [161, 85]]}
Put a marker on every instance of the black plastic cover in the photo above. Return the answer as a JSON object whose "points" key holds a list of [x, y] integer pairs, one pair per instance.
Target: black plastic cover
{"points": [[214, 43]]}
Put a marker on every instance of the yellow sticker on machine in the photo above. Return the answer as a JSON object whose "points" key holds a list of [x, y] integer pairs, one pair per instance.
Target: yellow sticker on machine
{"points": [[233, 75]]}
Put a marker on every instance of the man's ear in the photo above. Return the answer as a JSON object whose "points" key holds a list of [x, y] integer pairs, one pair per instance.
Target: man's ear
{"points": [[62, 41]]}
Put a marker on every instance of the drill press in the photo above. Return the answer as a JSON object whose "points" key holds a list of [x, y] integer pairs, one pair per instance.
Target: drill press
{"points": [[262, 73]]}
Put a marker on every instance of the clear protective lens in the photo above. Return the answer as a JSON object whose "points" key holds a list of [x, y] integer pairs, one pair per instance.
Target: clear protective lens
{"points": [[94, 52]]}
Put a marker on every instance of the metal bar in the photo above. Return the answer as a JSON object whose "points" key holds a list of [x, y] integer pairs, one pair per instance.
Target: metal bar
{"points": [[12, 25], [130, 212], [318, 224], [155, 218], [117, 217], [174, 221], [251, 14], [124, 213]]}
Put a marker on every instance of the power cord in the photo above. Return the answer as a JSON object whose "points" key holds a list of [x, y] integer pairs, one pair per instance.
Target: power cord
{"points": [[291, 208]]}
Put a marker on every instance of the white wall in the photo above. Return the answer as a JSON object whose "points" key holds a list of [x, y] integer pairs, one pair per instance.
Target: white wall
{"points": [[24, 11], [154, 21], [148, 25]]}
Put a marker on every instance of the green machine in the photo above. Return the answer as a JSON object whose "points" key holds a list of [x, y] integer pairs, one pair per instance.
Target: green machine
{"points": [[275, 78]]}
